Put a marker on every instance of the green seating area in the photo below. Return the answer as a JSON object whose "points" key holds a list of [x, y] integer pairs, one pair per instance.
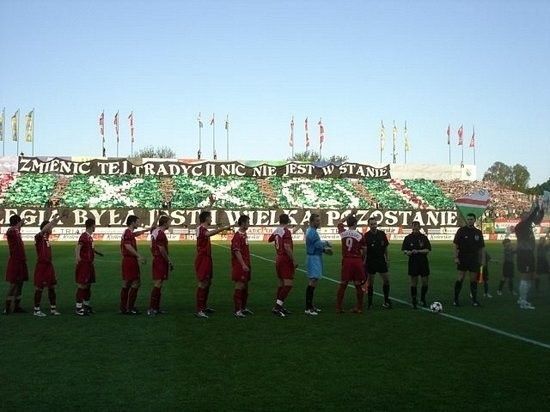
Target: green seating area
{"points": [[317, 193], [234, 192], [430, 193], [384, 194], [230, 192], [30, 190], [112, 192]]}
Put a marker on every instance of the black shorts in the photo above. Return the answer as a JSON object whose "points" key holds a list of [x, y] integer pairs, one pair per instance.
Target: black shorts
{"points": [[508, 270], [419, 268], [468, 263], [525, 261], [376, 265]]}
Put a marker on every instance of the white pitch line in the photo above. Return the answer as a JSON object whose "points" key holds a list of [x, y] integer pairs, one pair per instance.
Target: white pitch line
{"points": [[458, 319]]}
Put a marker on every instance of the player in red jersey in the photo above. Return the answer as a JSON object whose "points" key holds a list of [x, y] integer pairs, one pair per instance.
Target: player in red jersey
{"points": [[203, 261], [85, 270], [131, 259], [240, 267], [285, 264], [44, 272], [16, 271], [162, 264], [353, 251]]}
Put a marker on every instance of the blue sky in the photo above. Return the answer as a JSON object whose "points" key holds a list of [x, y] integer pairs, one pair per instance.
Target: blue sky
{"points": [[353, 63]]}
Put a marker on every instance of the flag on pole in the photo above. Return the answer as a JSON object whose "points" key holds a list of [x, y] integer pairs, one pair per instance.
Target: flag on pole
{"points": [[291, 140], [29, 126], [102, 125], [2, 125], [382, 136], [406, 137], [115, 122], [15, 126], [475, 203], [131, 120], [321, 134], [212, 121], [394, 132], [473, 139], [199, 119], [307, 135], [460, 133], [449, 135], [226, 125]]}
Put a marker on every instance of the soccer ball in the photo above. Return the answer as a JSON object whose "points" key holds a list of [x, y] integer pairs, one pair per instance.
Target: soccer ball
{"points": [[436, 307]]}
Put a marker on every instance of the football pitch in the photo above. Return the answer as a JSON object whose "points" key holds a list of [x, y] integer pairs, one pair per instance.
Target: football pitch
{"points": [[496, 357]]}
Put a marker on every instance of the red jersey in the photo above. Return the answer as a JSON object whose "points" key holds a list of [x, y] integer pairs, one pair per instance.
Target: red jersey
{"points": [[15, 243], [204, 246], [43, 248], [128, 238], [158, 239], [240, 243], [280, 237], [352, 242], [86, 242]]}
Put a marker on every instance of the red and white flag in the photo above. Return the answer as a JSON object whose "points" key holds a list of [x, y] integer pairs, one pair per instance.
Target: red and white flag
{"points": [[131, 120], [115, 122], [307, 135], [102, 125], [473, 139], [321, 134], [291, 140], [460, 133]]}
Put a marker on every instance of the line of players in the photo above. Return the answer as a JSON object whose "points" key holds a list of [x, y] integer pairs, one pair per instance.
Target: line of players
{"points": [[362, 257]]}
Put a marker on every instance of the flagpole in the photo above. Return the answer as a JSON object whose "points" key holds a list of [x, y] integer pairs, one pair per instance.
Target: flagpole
{"points": [[102, 130], [321, 137], [17, 128], [117, 135], [132, 133], [3, 132], [227, 134], [200, 130], [32, 135], [473, 142], [213, 122], [405, 142], [394, 133], [382, 139], [292, 137]]}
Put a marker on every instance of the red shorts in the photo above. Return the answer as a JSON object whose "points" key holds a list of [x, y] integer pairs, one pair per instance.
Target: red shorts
{"points": [[44, 275], [203, 268], [130, 268], [352, 270], [160, 268], [17, 271], [85, 272], [239, 275], [285, 267]]}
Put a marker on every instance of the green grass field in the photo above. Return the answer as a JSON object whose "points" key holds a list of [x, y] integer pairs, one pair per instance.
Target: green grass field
{"points": [[397, 359]]}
